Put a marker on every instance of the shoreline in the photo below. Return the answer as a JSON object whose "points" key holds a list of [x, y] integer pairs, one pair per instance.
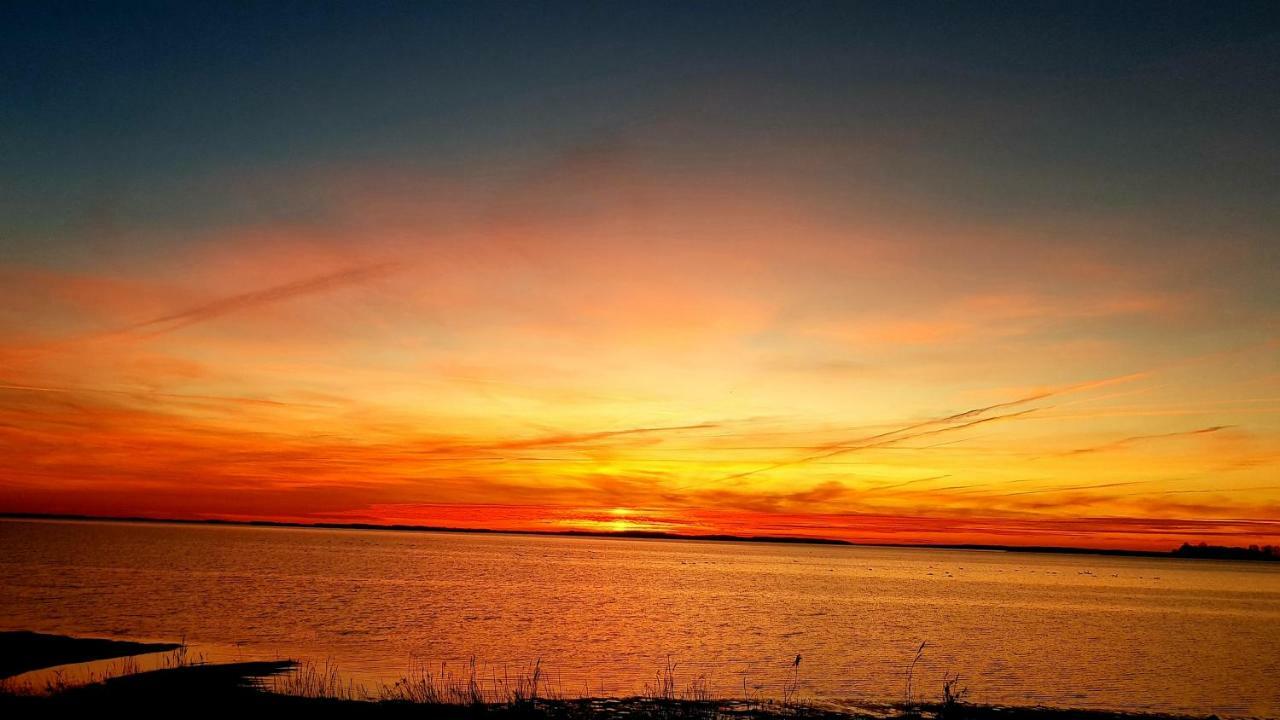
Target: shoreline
{"points": [[1226, 554], [288, 685]]}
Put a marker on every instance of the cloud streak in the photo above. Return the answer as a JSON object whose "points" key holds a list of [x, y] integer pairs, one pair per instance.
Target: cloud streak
{"points": [[257, 298], [1124, 442], [905, 433]]}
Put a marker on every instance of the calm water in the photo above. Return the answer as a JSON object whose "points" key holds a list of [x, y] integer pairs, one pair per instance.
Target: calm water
{"points": [[1124, 633]]}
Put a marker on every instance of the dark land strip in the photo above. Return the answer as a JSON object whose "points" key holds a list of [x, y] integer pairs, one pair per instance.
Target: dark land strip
{"points": [[1186, 550]]}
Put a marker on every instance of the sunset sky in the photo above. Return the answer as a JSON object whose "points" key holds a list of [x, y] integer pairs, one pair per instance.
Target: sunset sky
{"points": [[887, 273]]}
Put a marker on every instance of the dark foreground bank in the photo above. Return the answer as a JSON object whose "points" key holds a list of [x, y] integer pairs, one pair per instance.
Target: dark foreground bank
{"points": [[182, 685]]}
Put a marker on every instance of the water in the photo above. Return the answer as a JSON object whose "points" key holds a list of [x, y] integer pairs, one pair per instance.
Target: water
{"points": [[604, 615]]}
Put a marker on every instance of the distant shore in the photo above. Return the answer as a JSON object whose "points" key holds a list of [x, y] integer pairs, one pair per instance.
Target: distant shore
{"points": [[1186, 551]]}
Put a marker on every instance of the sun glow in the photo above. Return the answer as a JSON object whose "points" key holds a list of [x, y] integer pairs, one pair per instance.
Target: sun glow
{"points": [[619, 519], [630, 339]]}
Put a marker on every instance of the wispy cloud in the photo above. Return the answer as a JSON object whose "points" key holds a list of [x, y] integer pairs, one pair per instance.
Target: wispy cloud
{"points": [[256, 298], [907, 432], [1124, 442]]}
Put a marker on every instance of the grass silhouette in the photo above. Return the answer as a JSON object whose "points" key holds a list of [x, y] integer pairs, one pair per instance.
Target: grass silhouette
{"points": [[438, 693]]}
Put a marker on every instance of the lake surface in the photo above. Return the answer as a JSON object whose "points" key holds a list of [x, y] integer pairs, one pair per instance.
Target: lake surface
{"points": [[604, 615]]}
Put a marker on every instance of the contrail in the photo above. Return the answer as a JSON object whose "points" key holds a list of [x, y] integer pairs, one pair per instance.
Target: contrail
{"points": [[214, 309], [235, 303], [1138, 438], [886, 438], [907, 482], [1094, 486], [570, 439]]}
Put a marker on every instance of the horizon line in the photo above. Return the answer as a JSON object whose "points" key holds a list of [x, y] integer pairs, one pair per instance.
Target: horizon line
{"points": [[602, 534]]}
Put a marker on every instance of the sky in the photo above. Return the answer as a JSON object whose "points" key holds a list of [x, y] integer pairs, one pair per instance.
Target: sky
{"points": [[888, 272]]}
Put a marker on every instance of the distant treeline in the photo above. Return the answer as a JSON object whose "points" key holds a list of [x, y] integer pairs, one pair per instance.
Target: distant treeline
{"points": [[1201, 551], [1253, 552]]}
